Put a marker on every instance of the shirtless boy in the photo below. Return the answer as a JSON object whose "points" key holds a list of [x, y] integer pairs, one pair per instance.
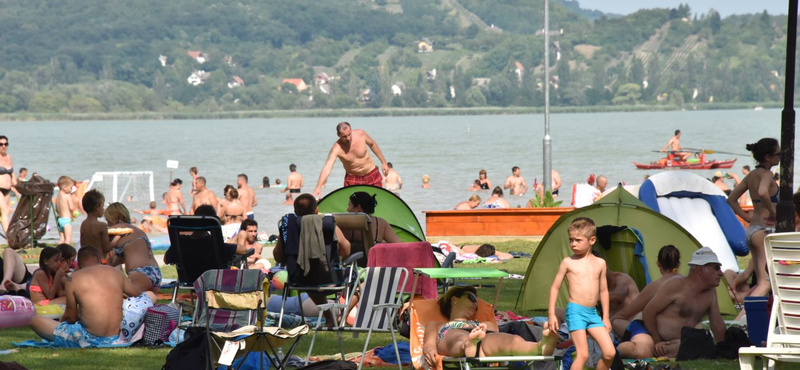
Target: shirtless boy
{"points": [[247, 197], [202, 195], [586, 282], [683, 301], [515, 182], [93, 232], [391, 179], [65, 207], [92, 316], [351, 149], [295, 180]]}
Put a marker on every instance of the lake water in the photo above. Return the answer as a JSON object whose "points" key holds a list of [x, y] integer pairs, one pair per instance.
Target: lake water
{"points": [[451, 149]]}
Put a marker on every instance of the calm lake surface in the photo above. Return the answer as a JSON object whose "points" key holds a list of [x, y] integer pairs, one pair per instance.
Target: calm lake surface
{"points": [[451, 149]]}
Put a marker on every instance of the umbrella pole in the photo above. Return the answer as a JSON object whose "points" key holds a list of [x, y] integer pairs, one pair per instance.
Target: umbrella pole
{"points": [[30, 223], [786, 209]]}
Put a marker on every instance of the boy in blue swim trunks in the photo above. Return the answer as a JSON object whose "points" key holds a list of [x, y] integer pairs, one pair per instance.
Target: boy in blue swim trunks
{"points": [[586, 282]]}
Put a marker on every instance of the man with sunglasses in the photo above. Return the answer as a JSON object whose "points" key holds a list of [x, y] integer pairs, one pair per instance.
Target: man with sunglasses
{"points": [[351, 149]]}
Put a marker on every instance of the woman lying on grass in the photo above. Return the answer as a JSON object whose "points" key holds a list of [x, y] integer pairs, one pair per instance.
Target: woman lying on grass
{"points": [[465, 336]]}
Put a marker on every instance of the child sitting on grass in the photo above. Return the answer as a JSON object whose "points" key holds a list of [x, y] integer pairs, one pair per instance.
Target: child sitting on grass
{"points": [[49, 280]]}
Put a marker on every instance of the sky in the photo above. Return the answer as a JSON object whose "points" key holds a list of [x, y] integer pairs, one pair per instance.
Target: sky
{"points": [[724, 7]]}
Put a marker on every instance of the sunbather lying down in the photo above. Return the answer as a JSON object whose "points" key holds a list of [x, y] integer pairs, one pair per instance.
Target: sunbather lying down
{"points": [[464, 336]]}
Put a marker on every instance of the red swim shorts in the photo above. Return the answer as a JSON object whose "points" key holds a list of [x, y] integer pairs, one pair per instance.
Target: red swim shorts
{"points": [[371, 178]]}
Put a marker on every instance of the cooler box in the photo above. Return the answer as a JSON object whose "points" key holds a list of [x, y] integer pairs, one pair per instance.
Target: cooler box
{"points": [[757, 319]]}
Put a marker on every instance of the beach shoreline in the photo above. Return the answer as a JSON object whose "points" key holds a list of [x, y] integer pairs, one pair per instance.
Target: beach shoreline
{"points": [[366, 112]]}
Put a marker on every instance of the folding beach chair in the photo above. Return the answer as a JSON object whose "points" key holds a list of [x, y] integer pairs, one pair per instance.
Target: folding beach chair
{"points": [[230, 306], [425, 311], [351, 223], [411, 256], [783, 338], [378, 307], [196, 246]]}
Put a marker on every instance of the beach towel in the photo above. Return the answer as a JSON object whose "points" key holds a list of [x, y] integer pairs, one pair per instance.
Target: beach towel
{"points": [[44, 343], [410, 256], [312, 243]]}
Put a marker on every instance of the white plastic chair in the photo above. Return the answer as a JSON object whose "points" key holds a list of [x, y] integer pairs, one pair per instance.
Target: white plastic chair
{"points": [[783, 338]]}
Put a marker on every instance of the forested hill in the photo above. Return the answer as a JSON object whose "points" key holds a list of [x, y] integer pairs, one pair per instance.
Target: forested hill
{"points": [[85, 56]]}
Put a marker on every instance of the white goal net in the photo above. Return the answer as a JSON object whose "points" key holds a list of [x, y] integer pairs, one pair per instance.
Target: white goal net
{"points": [[136, 186]]}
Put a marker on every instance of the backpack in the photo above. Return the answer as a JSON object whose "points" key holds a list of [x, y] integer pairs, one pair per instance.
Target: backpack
{"points": [[190, 354], [331, 365], [696, 344]]}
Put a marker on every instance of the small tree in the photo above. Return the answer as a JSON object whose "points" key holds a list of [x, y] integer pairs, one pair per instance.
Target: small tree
{"points": [[627, 94]]}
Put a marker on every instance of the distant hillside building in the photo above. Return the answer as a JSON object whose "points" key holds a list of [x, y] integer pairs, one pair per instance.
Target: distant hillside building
{"points": [[297, 82], [198, 56], [198, 77], [425, 45], [235, 81]]}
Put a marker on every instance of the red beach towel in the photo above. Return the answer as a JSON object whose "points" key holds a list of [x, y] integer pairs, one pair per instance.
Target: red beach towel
{"points": [[410, 256]]}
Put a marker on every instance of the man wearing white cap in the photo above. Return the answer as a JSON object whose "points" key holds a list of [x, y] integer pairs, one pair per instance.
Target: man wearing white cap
{"points": [[719, 180], [684, 301]]}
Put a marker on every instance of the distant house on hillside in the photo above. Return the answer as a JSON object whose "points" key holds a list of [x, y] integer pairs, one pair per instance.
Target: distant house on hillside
{"points": [[235, 81], [481, 81], [198, 56], [425, 45], [229, 61], [430, 75], [365, 94], [163, 60], [494, 29], [297, 82], [519, 70], [321, 78], [198, 77], [397, 88]]}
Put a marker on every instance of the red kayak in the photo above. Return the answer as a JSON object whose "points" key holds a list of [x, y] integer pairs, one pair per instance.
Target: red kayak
{"points": [[673, 161], [686, 166]]}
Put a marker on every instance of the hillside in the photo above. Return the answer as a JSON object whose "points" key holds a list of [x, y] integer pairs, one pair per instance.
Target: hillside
{"points": [[84, 56]]}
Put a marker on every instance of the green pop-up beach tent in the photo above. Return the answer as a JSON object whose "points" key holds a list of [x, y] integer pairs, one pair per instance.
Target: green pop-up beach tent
{"points": [[390, 208], [618, 208]]}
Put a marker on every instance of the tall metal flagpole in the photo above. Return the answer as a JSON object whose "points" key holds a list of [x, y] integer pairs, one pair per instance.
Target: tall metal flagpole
{"points": [[786, 210], [548, 184]]}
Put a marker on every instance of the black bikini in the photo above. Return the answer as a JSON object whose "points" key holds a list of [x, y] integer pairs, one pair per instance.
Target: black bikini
{"points": [[9, 172]]}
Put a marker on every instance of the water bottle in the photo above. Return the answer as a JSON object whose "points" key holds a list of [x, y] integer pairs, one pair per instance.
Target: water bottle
{"points": [[280, 354]]}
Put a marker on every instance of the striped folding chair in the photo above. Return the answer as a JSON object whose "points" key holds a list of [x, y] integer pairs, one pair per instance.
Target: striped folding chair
{"points": [[379, 302]]}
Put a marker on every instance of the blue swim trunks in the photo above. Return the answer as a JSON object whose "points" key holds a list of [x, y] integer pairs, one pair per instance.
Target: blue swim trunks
{"points": [[153, 273], [75, 335], [62, 222], [636, 327], [582, 317]]}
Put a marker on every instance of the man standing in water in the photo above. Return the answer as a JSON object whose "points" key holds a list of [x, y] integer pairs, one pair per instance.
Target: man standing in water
{"points": [[202, 195], [295, 180], [515, 182], [674, 145], [392, 180], [351, 149], [247, 197]]}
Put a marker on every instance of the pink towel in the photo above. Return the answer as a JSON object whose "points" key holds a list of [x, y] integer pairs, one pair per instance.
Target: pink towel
{"points": [[410, 256]]}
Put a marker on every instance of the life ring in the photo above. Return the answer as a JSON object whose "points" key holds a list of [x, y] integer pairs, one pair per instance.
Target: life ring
{"points": [[15, 311], [50, 311]]}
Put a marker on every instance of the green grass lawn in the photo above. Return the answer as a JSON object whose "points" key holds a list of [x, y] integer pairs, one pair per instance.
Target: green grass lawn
{"points": [[153, 358]]}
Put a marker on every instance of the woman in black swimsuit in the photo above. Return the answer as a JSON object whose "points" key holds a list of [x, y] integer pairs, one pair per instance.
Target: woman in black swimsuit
{"points": [[7, 181], [486, 184]]}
